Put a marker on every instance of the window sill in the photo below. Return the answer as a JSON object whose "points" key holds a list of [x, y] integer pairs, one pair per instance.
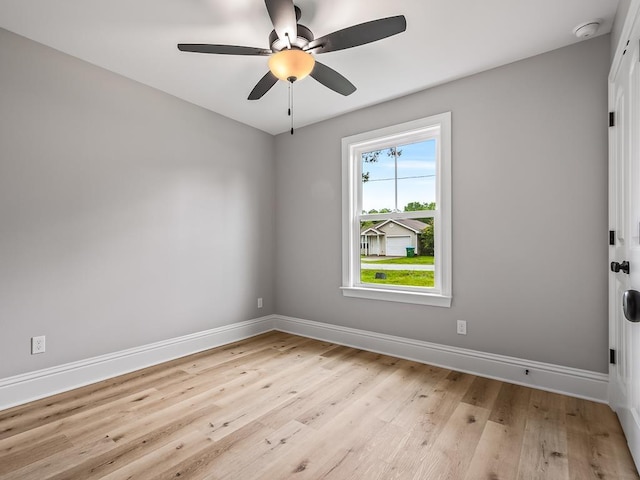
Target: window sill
{"points": [[418, 298]]}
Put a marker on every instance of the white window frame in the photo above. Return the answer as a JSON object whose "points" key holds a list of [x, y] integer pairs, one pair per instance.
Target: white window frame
{"points": [[436, 126]]}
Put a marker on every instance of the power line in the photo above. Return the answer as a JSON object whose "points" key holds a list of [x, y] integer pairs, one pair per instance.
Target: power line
{"points": [[399, 178]]}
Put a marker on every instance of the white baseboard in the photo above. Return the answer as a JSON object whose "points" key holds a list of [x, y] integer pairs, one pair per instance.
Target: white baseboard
{"points": [[30, 386], [544, 376]]}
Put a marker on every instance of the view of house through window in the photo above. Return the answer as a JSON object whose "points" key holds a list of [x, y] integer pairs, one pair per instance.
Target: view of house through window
{"points": [[396, 213], [398, 195]]}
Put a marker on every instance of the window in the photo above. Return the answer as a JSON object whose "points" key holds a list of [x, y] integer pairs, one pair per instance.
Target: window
{"points": [[396, 195]]}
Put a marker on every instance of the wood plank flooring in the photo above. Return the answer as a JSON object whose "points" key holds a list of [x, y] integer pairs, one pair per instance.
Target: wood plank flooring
{"points": [[279, 406]]}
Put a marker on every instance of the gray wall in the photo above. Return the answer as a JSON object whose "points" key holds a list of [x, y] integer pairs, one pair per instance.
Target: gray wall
{"points": [[529, 212], [127, 216]]}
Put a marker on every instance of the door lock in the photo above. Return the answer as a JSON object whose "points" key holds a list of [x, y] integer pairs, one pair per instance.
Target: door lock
{"points": [[631, 305], [616, 267]]}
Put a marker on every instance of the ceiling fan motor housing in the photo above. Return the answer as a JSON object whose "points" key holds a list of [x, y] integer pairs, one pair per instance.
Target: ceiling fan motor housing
{"points": [[302, 40]]}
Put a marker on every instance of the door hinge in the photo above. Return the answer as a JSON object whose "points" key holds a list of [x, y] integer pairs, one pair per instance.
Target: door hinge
{"points": [[612, 237], [612, 356], [612, 119]]}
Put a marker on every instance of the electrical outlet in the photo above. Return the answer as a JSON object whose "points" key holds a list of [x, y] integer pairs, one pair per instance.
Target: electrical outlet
{"points": [[260, 303], [37, 345], [462, 327]]}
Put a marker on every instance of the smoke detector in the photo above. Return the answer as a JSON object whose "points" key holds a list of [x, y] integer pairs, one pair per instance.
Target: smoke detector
{"points": [[586, 30]]}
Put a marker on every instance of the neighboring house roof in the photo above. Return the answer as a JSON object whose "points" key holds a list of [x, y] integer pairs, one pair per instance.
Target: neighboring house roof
{"points": [[412, 224], [370, 231]]}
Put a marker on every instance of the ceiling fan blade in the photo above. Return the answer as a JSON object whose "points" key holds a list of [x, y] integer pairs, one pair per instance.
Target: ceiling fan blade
{"points": [[263, 86], [332, 79], [222, 49], [359, 34], [283, 17]]}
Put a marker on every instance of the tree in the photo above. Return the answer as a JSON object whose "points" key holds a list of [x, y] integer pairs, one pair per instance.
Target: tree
{"points": [[372, 157], [369, 157], [427, 240], [369, 223], [417, 206], [426, 237]]}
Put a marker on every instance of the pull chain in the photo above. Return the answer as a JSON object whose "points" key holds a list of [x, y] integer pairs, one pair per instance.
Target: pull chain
{"points": [[291, 102]]}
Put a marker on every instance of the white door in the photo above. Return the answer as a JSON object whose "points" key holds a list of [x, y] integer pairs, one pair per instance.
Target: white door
{"points": [[397, 246], [624, 219]]}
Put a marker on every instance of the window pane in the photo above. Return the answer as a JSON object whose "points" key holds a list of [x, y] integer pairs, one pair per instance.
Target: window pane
{"points": [[397, 252], [399, 178], [378, 181], [417, 174]]}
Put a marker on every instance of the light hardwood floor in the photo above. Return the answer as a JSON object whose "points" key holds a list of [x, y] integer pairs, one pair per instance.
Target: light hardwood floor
{"points": [[280, 406]]}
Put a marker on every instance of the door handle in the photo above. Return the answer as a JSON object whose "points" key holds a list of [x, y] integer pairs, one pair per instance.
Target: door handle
{"points": [[616, 267], [631, 305]]}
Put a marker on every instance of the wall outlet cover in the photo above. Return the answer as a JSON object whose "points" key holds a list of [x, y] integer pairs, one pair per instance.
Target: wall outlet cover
{"points": [[37, 345], [462, 327]]}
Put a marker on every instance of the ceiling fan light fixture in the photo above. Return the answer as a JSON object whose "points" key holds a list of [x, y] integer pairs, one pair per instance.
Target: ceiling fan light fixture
{"points": [[291, 64]]}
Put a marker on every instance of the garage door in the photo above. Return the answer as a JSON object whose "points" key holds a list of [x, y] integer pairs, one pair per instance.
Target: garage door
{"points": [[397, 246]]}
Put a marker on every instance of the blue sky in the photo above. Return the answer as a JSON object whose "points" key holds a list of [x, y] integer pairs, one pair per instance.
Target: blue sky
{"points": [[416, 177]]}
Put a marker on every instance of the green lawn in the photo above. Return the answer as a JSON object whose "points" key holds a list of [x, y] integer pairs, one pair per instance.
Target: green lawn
{"points": [[414, 278], [421, 260]]}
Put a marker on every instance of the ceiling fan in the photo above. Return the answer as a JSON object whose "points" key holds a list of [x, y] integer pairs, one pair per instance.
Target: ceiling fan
{"points": [[292, 46]]}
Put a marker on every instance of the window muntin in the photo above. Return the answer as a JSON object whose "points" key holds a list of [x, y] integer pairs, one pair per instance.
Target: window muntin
{"points": [[396, 194]]}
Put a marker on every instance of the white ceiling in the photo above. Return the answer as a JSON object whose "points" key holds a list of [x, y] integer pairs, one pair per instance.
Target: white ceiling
{"points": [[445, 39]]}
